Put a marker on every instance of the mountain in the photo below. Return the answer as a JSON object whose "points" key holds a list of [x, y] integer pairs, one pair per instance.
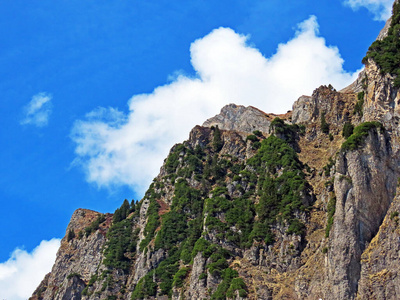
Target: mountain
{"points": [[260, 206]]}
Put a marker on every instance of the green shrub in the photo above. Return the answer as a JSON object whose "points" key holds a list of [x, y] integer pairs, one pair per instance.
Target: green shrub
{"points": [[256, 145], [172, 161], [257, 133], [180, 277], [217, 140], [394, 214], [74, 275], [348, 129], [288, 132], [71, 235], [95, 225], [122, 212], [219, 190], [201, 245], [237, 284], [153, 219], [358, 108], [331, 208], [85, 291], [166, 271], [216, 267], [327, 168], [92, 280], [360, 95], [229, 285], [252, 138], [296, 227], [121, 239], [386, 52], [145, 288], [324, 124], [354, 141], [173, 230]]}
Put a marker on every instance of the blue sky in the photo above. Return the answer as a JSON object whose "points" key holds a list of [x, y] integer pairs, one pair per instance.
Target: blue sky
{"points": [[94, 93]]}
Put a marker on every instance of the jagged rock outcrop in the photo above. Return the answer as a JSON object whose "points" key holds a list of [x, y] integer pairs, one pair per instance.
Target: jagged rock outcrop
{"points": [[337, 107], [382, 98], [77, 259], [379, 262], [365, 183], [257, 206], [197, 286], [241, 119]]}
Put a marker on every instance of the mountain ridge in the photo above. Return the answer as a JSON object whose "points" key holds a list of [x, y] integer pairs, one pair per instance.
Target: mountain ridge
{"points": [[257, 206]]}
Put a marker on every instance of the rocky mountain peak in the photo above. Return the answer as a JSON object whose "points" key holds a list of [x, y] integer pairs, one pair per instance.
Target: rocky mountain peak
{"points": [[242, 119], [258, 206], [384, 32]]}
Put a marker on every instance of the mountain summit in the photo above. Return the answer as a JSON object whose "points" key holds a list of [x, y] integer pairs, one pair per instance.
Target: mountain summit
{"points": [[260, 206]]}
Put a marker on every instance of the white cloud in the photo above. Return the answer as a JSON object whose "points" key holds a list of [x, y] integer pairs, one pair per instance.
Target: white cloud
{"points": [[381, 9], [128, 149], [22, 273], [38, 110]]}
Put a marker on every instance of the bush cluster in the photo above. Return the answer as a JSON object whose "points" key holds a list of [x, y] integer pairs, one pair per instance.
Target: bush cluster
{"points": [[331, 208], [288, 132], [358, 108], [324, 124], [95, 225], [281, 186], [386, 52], [348, 129], [121, 238], [231, 282], [360, 132], [71, 235]]}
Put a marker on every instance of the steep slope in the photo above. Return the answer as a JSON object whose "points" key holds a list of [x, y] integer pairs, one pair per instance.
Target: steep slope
{"points": [[258, 206]]}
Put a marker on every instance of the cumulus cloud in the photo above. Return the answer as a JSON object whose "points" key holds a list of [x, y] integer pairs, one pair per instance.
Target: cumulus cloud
{"points": [[381, 9], [117, 148], [22, 273], [38, 110]]}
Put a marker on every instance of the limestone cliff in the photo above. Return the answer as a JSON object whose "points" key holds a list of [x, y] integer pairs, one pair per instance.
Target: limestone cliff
{"points": [[257, 206]]}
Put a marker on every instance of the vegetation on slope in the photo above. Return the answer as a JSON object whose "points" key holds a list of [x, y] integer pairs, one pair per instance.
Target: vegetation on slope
{"points": [[122, 238], [358, 108], [357, 138], [386, 52], [331, 209], [281, 186], [243, 202]]}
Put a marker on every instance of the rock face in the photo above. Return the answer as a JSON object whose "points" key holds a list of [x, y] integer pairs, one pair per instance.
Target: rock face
{"points": [[379, 262], [382, 97], [77, 259], [256, 206], [240, 119], [365, 184]]}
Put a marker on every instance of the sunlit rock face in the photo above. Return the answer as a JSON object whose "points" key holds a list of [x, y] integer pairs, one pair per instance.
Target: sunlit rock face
{"points": [[256, 206]]}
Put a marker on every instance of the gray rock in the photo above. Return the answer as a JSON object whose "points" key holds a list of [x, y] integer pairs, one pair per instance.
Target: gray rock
{"points": [[241, 119]]}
